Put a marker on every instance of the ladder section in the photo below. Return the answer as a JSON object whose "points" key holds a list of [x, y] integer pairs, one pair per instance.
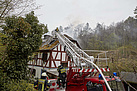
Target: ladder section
{"points": [[76, 48], [76, 54], [70, 50], [75, 51]]}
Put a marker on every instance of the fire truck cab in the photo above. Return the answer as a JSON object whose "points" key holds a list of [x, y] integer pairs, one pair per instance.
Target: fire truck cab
{"points": [[98, 84]]}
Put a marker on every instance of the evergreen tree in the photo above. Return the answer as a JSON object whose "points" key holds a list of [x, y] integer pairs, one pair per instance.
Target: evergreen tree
{"points": [[23, 38], [135, 12]]}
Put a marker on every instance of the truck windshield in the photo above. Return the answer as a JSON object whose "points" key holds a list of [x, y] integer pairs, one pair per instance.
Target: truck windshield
{"points": [[116, 85], [94, 86]]}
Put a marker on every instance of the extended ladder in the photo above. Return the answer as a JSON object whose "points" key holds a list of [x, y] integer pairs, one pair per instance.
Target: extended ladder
{"points": [[75, 52]]}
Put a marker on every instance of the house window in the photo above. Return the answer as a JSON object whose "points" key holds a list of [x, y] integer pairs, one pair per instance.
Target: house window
{"points": [[68, 58], [34, 72], [44, 56], [35, 57], [64, 48]]}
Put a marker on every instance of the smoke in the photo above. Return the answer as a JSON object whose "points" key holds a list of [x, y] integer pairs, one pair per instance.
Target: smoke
{"points": [[74, 29]]}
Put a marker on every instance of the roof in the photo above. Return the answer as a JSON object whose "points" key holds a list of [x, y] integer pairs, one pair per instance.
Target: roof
{"points": [[129, 76], [50, 45], [49, 42], [71, 39]]}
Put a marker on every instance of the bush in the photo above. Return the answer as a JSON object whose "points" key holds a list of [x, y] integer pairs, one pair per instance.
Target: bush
{"points": [[21, 85]]}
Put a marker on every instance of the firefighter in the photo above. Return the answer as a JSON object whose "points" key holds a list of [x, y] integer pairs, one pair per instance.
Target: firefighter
{"points": [[43, 83], [57, 29], [62, 76]]}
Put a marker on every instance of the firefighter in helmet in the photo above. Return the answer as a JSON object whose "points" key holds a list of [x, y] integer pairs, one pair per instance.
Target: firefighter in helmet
{"points": [[62, 76], [57, 29], [42, 84]]}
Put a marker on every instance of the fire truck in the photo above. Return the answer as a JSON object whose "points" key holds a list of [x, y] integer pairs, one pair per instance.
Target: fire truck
{"points": [[84, 76]]}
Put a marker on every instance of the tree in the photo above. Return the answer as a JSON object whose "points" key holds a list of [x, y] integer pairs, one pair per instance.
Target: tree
{"points": [[23, 38], [135, 12], [2, 48], [16, 7]]}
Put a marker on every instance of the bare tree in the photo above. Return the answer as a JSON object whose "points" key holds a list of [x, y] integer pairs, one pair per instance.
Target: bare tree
{"points": [[16, 7]]}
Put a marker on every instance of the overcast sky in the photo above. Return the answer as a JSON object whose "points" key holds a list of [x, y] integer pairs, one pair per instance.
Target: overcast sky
{"points": [[57, 13]]}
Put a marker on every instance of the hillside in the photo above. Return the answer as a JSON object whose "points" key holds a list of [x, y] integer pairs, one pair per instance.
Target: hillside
{"points": [[121, 59], [124, 59]]}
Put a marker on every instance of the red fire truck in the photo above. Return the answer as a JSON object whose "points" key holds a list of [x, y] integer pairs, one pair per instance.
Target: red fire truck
{"points": [[84, 78]]}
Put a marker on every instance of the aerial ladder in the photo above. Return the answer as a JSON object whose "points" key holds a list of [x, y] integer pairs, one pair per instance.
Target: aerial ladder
{"points": [[79, 56]]}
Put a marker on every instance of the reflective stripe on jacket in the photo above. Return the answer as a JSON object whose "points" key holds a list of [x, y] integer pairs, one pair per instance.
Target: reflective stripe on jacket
{"points": [[41, 83], [63, 70]]}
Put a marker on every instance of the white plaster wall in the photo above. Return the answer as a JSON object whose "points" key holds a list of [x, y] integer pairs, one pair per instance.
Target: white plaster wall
{"points": [[57, 63], [59, 55], [47, 64], [59, 47], [52, 64], [63, 56], [54, 54], [68, 63], [40, 55], [38, 71], [62, 48]]}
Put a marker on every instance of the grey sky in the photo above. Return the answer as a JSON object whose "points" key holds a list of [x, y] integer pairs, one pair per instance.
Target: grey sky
{"points": [[63, 12]]}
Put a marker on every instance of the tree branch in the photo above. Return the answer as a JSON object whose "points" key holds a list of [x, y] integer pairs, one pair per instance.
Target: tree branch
{"points": [[5, 9]]}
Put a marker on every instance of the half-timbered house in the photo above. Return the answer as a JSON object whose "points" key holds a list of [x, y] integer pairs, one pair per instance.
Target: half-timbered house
{"points": [[50, 55]]}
